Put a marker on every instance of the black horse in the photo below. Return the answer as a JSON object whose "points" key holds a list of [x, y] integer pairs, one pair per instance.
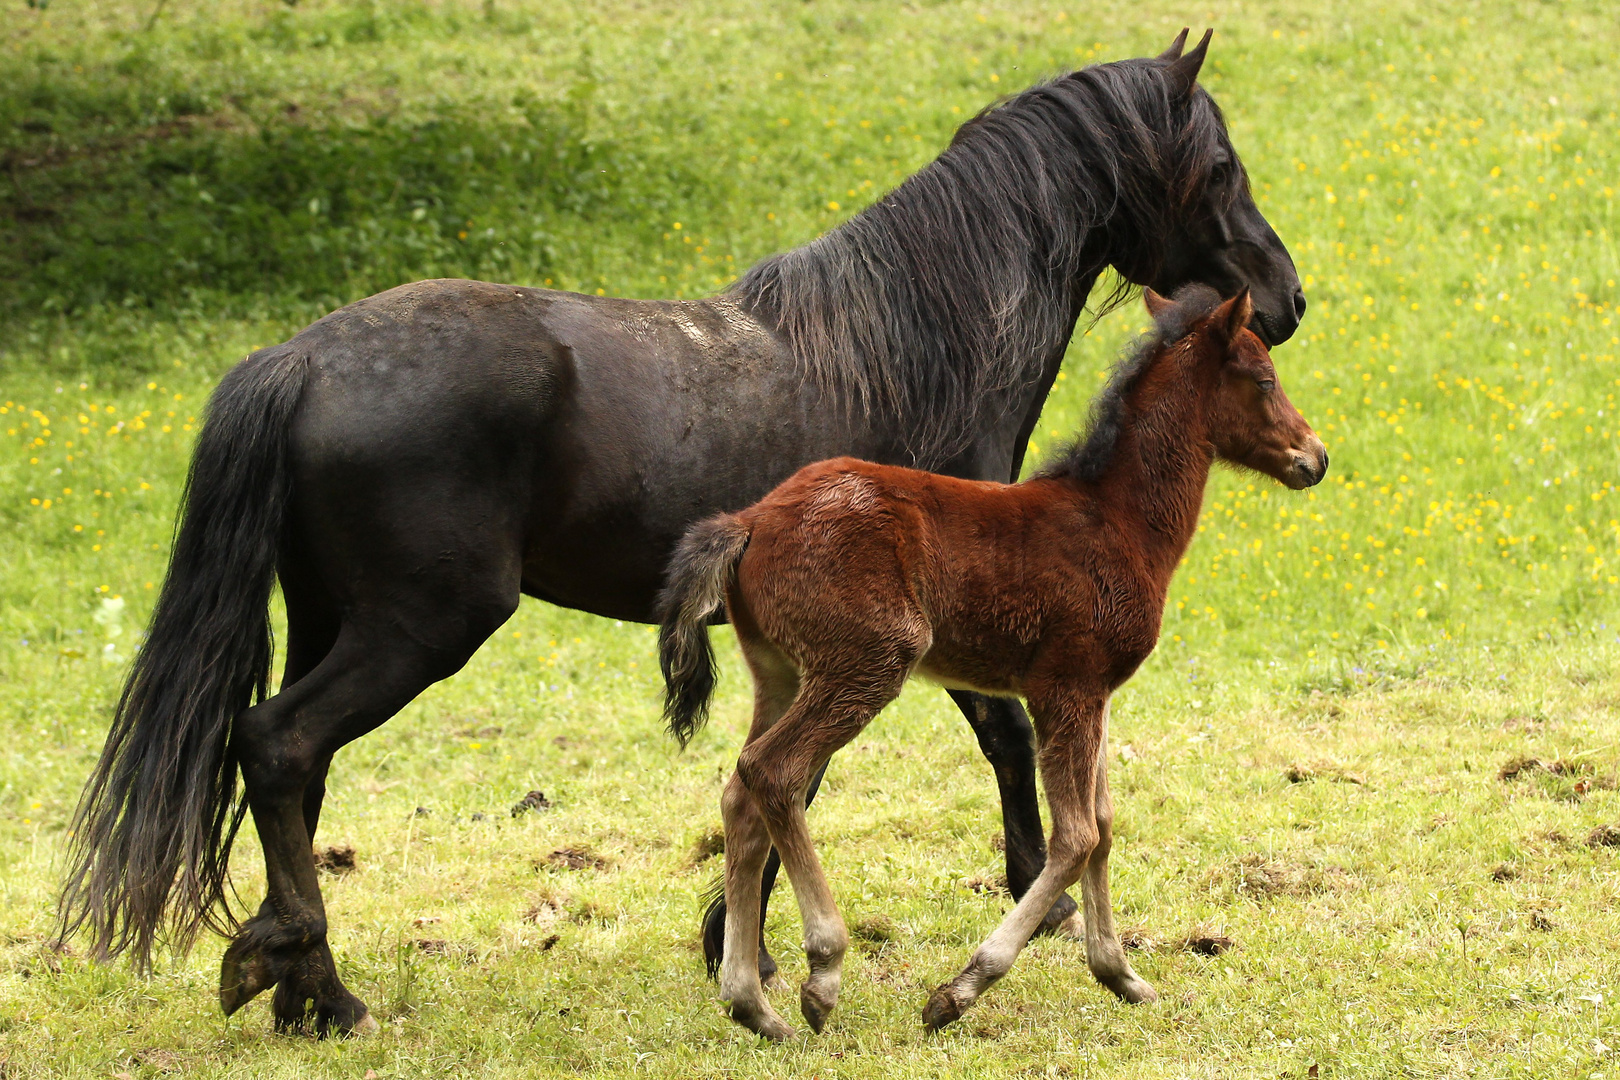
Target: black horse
{"points": [[413, 463]]}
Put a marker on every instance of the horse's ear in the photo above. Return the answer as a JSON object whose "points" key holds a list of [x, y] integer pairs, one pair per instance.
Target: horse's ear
{"points": [[1231, 317], [1156, 304], [1183, 70], [1174, 51]]}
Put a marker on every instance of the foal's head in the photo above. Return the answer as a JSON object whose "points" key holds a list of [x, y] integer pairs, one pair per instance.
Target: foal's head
{"points": [[1251, 421]]}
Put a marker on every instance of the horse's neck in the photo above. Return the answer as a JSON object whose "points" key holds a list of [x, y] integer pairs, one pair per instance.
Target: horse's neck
{"points": [[1160, 471]]}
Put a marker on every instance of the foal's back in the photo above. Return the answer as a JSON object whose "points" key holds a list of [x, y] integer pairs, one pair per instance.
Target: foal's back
{"points": [[965, 581]]}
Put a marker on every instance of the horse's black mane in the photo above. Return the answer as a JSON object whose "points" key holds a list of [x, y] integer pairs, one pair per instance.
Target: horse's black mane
{"points": [[1089, 456], [959, 283]]}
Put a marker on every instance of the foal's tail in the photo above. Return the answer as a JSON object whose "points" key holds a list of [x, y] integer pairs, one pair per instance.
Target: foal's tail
{"points": [[155, 823], [704, 564]]}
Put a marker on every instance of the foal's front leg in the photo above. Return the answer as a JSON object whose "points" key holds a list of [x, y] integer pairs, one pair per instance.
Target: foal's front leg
{"points": [[1069, 728], [1104, 953]]}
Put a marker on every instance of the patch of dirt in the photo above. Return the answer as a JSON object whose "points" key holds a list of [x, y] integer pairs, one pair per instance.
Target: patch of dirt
{"points": [[875, 933], [550, 942], [1505, 872], [547, 911], [1260, 878], [534, 800], [1135, 938], [337, 859], [983, 886], [576, 858], [998, 842], [710, 843], [489, 732], [1321, 770], [1521, 767], [1208, 943], [433, 946], [1604, 836], [1540, 920]]}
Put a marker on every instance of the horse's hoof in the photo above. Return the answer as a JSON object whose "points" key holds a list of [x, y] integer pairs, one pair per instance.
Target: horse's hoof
{"points": [[815, 1008], [1063, 914], [942, 1009], [767, 966], [243, 976]]}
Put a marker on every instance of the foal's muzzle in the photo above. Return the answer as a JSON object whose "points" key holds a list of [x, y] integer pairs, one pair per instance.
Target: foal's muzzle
{"points": [[1308, 468]]}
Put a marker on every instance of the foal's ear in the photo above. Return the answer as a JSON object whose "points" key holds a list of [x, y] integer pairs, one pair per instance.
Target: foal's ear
{"points": [[1183, 70], [1231, 317], [1156, 304]]}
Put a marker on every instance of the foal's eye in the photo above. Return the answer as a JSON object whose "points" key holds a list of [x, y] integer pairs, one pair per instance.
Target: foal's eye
{"points": [[1266, 385]]}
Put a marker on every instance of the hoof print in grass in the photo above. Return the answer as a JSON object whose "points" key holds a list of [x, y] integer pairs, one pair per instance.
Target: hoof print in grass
{"points": [[1540, 920], [433, 946], [1209, 944], [337, 859], [1505, 872], [550, 942], [534, 800]]}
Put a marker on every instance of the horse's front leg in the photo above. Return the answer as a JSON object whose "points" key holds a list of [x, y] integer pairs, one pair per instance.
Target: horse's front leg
{"points": [[1008, 742], [1070, 729]]}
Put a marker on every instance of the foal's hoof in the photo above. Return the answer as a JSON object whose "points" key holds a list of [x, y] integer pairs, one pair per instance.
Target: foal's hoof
{"points": [[243, 976], [815, 1006], [761, 1020], [942, 1009], [1133, 989]]}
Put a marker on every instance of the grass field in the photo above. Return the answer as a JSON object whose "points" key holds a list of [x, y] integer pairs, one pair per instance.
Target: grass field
{"points": [[1377, 748]]}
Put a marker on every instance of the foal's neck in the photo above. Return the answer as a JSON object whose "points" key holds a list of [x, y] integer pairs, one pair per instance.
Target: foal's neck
{"points": [[1157, 475]]}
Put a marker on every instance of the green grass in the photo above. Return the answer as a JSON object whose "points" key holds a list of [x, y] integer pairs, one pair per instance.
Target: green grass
{"points": [[1311, 764]]}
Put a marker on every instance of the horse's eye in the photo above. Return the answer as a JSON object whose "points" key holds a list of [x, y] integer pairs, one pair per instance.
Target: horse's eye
{"points": [[1266, 385]]}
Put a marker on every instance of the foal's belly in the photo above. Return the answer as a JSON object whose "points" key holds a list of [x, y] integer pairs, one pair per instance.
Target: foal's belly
{"points": [[946, 671]]}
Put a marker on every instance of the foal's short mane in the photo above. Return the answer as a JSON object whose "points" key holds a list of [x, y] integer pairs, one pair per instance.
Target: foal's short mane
{"points": [[1090, 454], [958, 284]]}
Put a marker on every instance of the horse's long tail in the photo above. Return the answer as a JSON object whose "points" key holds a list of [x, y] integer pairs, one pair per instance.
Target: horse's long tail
{"points": [[703, 566], [155, 823]]}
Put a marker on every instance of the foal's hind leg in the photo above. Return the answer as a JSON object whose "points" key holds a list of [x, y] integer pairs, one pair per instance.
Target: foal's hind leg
{"points": [[1008, 742], [747, 840], [1104, 954], [777, 768]]}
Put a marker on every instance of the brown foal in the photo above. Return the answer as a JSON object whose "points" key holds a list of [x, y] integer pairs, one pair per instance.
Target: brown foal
{"points": [[850, 577]]}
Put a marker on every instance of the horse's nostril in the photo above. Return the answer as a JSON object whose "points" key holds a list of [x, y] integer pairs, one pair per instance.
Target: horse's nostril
{"points": [[1299, 303]]}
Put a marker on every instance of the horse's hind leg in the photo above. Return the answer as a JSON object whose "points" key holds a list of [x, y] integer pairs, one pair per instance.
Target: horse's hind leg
{"points": [[1008, 742], [283, 745], [1104, 954]]}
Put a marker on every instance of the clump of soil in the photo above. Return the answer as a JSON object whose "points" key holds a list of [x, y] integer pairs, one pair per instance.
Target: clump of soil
{"points": [[1604, 836], [534, 800], [1136, 939], [708, 844], [983, 886], [1505, 872], [1260, 878], [1206, 943], [337, 859], [433, 946], [875, 932], [1323, 770], [576, 858]]}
